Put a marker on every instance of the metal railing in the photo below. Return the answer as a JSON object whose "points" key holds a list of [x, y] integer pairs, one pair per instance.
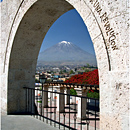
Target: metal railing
{"points": [[51, 106]]}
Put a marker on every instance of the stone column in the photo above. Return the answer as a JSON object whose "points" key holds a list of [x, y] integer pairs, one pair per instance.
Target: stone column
{"points": [[51, 94], [82, 104], [67, 98], [61, 101], [45, 96]]}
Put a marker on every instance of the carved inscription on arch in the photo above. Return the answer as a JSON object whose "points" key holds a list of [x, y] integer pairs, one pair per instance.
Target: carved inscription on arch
{"points": [[107, 26]]}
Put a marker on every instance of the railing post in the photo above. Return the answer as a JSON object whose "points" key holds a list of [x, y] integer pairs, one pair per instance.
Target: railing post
{"points": [[61, 100], [45, 96], [67, 98], [82, 105]]}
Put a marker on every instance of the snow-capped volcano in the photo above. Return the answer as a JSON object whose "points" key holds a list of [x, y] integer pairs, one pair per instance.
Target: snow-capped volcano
{"points": [[64, 42], [66, 51]]}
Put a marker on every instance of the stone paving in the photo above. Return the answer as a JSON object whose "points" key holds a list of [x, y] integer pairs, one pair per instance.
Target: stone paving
{"points": [[23, 122]]}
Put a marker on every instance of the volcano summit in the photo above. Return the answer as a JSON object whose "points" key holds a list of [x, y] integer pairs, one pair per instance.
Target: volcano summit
{"points": [[66, 52]]}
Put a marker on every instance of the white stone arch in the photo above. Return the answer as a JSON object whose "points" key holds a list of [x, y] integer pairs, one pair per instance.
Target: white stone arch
{"points": [[23, 60], [111, 62]]}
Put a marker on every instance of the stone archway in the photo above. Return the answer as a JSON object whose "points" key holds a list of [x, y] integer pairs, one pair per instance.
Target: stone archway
{"points": [[108, 28], [26, 46]]}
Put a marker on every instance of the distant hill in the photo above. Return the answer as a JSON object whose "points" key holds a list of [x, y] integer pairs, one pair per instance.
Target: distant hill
{"points": [[66, 53]]}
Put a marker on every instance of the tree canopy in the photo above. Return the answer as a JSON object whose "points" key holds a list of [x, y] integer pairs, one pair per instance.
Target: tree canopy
{"points": [[90, 77]]}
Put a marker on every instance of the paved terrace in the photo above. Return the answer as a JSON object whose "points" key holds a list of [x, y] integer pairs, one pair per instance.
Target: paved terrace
{"points": [[23, 122]]}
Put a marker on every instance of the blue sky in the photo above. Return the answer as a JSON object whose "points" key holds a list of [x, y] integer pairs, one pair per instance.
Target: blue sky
{"points": [[69, 27]]}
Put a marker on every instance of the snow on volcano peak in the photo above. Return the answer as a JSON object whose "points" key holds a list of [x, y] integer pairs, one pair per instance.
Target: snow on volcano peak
{"points": [[64, 42], [65, 51]]}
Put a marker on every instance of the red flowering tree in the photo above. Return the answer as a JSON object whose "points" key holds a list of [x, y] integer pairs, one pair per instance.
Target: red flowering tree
{"points": [[90, 77]]}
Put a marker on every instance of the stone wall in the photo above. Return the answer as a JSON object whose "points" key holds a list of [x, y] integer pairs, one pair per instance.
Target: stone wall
{"points": [[24, 24]]}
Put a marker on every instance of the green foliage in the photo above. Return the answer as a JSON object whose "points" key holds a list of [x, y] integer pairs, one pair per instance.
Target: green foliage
{"points": [[40, 87], [64, 71], [61, 72], [36, 81], [48, 80], [88, 65], [39, 101], [82, 68], [73, 92], [93, 94], [71, 72], [87, 70]]}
